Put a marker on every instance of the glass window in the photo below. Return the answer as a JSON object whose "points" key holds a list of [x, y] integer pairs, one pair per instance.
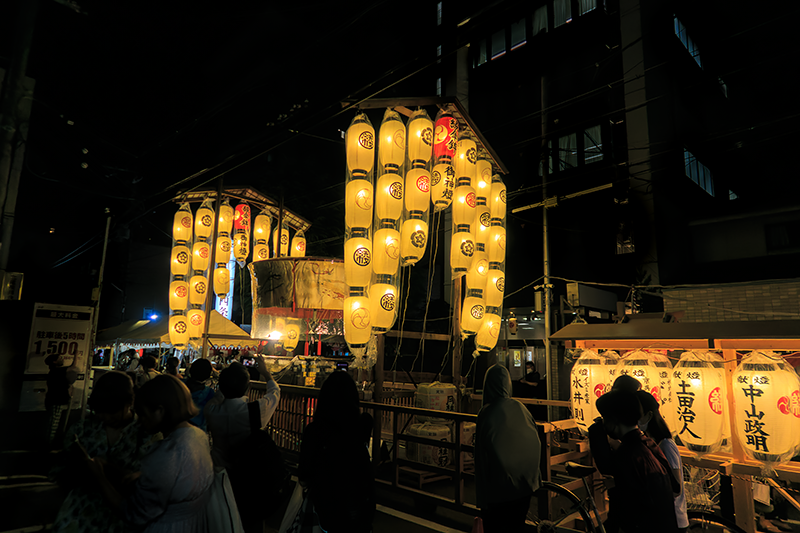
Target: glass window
{"points": [[592, 145], [688, 43], [438, 86], [498, 44], [586, 5], [549, 159], [482, 56], [540, 20], [562, 12], [567, 152], [698, 172], [732, 195], [518, 37], [439, 14]]}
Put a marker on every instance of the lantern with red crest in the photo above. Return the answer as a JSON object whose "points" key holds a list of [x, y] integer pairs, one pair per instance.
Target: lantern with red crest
{"points": [[700, 402], [592, 376], [443, 175], [417, 191]]}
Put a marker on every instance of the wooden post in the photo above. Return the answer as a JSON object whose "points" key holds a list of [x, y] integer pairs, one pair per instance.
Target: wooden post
{"points": [[377, 397], [457, 344]]}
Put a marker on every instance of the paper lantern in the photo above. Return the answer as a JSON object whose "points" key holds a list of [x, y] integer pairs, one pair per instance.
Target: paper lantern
{"points": [[358, 203], [719, 363], [260, 252], [462, 249], [299, 244], [182, 224], [201, 255], [472, 313], [357, 321], [291, 335], [443, 181], [284, 245], [178, 295], [241, 218], [639, 365], [487, 335], [196, 318], [466, 159], [497, 198], [224, 246], [204, 221], [668, 408], [241, 246], [389, 197], [766, 403], [178, 331], [222, 281], [592, 376], [383, 306], [420, 138], [358, 261], [225, 217], [179, 261], [386, 251], [478, 272], [261, 227], [417, 190], [699, 401], [483, 183], [496, 247], [495, 286], [198, 287], [413, 239], [445, 136], [483, 223], [392, 145], [360, 146], [464, 204]]}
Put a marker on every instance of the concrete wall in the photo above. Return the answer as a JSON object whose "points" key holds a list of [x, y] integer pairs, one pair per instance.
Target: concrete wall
{"points": [[736, 302]]}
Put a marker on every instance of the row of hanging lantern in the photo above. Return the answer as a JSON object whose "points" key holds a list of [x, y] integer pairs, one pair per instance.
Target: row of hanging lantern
{"points": [[419, 164], [694, 398], [190, 267]]}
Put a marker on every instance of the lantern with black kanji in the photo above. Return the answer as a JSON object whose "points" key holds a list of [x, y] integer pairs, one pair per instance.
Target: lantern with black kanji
{"points": [[766, 403], [241, 233], [639, 365], [699, 401], [592, 376]]}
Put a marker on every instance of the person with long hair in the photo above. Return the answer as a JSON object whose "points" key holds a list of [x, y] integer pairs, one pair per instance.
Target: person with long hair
{"points": [[655, 427], [173, 491], [334, 462]]}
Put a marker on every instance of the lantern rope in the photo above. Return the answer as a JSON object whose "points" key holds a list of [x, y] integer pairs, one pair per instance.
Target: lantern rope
{"points": [[403, 319], [431, 272]]}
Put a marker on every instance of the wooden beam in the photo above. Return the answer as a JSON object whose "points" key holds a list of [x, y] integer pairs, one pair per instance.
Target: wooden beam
{"points": [[457, 344], [419, 335]]}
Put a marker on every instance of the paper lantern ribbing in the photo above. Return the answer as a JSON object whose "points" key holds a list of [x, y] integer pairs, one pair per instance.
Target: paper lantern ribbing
{"points": [[592, 376], [181, 257], [417, 190], [386, 251], [766, 402], [445, 136], [464, 205], [419, 139], [178, 295], [222, 281], [357, 321], [260, 252], [489, 332], [224, 246], [182, 224], [443, 182], [392, 145], [389, 197], [483, 222], [196, 319], [496, 247], [204, 221], [241, 246], [472, 313], [360, 146], [639, 365], [358, 198], [498, 198], [299, 244], [462, 249], [284, 241], [261, 227], [201, 255], [413, 239], [291, 335], [699, 394], [466, 159], [178, 331], [668, 407], [358, 261], [495, 286], [198, 287], [383, 306], [225, 217]]}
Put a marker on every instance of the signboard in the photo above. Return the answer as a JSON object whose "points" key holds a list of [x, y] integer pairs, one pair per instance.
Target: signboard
{"points": [[62, 329]]}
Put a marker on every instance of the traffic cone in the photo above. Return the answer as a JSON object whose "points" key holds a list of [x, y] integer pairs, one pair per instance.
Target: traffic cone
{"points": [[477, 525]]}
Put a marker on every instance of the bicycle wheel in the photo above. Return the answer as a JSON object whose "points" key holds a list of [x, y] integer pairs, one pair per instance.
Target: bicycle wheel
{"points": [[565, 506], [700, 521]]}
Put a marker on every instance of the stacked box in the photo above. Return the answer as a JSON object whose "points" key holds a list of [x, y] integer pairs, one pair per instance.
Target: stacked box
{"points": [[436, 395], [468, 434], [427, 454]]}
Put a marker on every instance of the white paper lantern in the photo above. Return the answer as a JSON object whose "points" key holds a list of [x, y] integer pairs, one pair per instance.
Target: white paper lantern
{"points": [[592, 376], [700, 402], [413, 240], [357, 321], [489, 332]]}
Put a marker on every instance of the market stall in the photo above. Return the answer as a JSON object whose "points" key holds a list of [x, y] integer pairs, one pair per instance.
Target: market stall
{"points": [[757, 398]]}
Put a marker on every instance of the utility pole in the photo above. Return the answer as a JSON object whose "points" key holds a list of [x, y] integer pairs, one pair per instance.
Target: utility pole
{"points": [[546, 259]]}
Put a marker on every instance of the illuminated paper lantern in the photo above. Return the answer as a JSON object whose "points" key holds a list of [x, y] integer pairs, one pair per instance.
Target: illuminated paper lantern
{"points": [[204, 221], [261, 227], [357, 321], [178, 331], [478, 271], [443, 182], [179, 261], [496, 247], [222, 281], [495, 286], [360, 146], [462, 249], [198, 287], [668, 409], [225, 217], [445, 136], [386, 251], [284, 244], [417, 190], [358, 203], [241, 246], [196, 318], [224, 246], [766, 403], [483, 172], [260, 252], [419, 139], [201, 255], [466, 159], [392, 145], [182, 224], [700, 402], [486, 338], [389, 197], [241, 218], [299, 244], [719, 363], [472, 313], [483, 222], [178, 295], [291, 335], [413, 239], [592, 376], [639, 365], [358, 261], [497, 198], [464, 205], [383, 306]]}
